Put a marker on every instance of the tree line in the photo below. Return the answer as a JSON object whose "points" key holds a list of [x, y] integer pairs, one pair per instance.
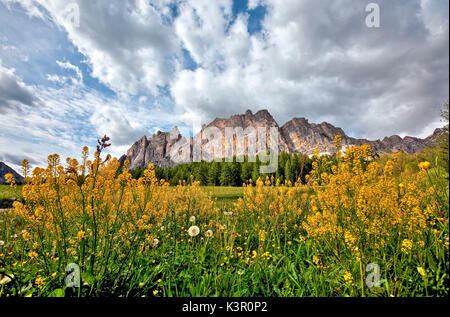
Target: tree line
{"points": [[291, 167]]}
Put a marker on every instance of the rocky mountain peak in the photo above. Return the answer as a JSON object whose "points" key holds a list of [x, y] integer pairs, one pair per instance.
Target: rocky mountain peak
{"points": [[175, 133], [296, 135], [300, 121], [5, 169], [393, 138], [264, 115]]}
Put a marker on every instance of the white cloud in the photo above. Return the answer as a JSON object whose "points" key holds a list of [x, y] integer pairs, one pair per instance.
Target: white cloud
{"points": [[319, 60], [201, 26], [57, 79], [142, 99], [77, 80], [314, 59], [65, 119], [114, 123], [252, 4], [70, 117], [14, 94], [434, 17], [13, 50], [126, 42], [30, 6], [79, 75]]}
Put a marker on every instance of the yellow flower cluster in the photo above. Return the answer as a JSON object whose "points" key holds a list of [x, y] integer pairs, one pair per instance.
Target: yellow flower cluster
{"points": [[361, 201], [424, 165], [83, 211], [348, 278], [348, 213], [407, 246], [9, 179], [359, 204]]}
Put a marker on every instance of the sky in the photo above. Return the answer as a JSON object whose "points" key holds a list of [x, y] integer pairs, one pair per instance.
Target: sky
{"points": [[128, 68]]}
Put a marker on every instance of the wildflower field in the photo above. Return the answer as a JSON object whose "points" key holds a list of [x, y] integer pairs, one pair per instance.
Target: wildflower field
{"points": [[358, 227]]}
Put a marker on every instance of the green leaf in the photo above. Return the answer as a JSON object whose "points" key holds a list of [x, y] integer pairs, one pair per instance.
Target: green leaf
{"points": [[87, 278], [59, 292]]}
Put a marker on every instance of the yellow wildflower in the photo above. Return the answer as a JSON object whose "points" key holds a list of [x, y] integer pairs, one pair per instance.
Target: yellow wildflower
{"points": [[348, 278], [424, 165], [421, 271]]}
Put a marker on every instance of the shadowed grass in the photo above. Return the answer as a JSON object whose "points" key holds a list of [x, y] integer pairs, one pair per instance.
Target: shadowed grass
{"points": [[8, 195], [225, 196]]}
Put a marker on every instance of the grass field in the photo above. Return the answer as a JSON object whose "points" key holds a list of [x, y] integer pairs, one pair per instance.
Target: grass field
{"points": [[361, 230], [225, 196], [8, 195]]}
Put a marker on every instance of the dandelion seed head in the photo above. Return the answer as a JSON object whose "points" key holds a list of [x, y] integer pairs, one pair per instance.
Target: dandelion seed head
{"points": [[193, 231]]}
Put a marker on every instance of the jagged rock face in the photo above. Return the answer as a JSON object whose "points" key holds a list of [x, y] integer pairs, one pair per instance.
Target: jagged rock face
{"points": [[5, 169], [297, 135], [154, 150], [302, 136], [260, 120]]}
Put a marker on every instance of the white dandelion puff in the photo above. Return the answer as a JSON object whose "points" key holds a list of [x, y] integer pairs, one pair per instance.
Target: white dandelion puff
{"points": [[194, 231]]}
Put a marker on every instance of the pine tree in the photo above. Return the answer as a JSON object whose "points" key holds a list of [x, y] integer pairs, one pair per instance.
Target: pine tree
{"points": [[246, 172], [255, 172], [288, 171], [295, 167], [201, 173], [236, 172], [279, 174], [226, 175], [214, 173]]}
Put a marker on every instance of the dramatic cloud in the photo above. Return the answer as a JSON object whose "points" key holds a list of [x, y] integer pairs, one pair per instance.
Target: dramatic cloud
{"points": [[114, 123], [134, 66], [13, 92], [16, 160], [66, 120], [77, 80], [127, 44], [319, 60]]}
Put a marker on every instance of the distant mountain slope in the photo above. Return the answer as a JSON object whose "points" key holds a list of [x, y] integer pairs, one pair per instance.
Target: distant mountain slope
{"points": [[302, 136], [5, 169], [296, 135]]}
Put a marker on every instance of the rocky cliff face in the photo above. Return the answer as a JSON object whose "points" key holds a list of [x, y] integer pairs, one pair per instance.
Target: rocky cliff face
{"points": [[5, 169], [154, 150], [302, 136], [248, 123], [297, 135]]}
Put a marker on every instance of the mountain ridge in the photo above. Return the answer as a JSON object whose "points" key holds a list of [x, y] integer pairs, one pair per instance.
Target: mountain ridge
{"points": [[5, 169], [296, 135]]}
